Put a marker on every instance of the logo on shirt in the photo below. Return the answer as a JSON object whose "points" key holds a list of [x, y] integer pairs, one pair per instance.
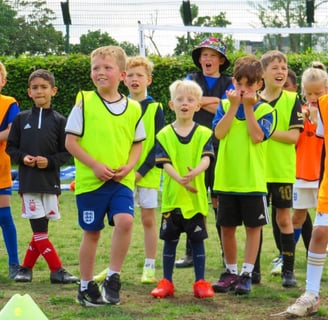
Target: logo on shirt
{"points": [[88, 216], [27, 126]]}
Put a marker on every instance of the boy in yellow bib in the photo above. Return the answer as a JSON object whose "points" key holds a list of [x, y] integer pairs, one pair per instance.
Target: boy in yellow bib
{"points": [[241, 124], [184, 150]]}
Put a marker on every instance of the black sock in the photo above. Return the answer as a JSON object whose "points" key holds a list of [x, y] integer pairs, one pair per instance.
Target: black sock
{"points": [[288, 251]]}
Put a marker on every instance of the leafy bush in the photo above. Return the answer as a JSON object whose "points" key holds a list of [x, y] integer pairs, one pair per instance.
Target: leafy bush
{"points": [[72, 73]]}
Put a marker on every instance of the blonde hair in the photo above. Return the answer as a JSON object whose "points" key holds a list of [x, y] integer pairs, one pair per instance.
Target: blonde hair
{"points": [[189, 86], [313, 74], [115, 52], [272, 55], [3, 71], [318, 65], [140, 61]]}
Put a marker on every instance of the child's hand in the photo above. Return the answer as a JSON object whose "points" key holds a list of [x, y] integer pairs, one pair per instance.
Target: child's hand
{"points": [[121, 173], [189, 176], [41, 162], [234, 97], [191, 188], [29, 161], [102, 172], [248, 99]]}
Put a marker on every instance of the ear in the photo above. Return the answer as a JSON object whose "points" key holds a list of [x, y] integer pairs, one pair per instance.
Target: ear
{"points": [[171, 105], [123, 75], [149, 80], [54, 91], [259, 85]]}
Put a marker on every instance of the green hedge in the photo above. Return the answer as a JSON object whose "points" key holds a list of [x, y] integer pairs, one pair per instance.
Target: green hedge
{"points": [[72, 73]]}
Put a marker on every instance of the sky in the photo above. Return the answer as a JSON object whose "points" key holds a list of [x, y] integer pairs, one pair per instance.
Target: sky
{"points": [[119, 18]]}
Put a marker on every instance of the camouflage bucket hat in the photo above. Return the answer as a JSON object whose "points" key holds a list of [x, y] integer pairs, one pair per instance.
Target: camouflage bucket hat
{"points": [[212, 43]]}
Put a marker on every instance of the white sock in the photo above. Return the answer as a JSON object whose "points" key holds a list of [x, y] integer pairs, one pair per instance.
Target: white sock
{"points": [[315, 264], [84, 284], [233, 268], [247, 267], [111, 272], [149, 263]]}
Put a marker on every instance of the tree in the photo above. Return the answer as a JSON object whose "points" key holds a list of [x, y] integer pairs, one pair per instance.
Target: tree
{"points": [[29, 29], [286, 13], [186, 44], [95, 39]]}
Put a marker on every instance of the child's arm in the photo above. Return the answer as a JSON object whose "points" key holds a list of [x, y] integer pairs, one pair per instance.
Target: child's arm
{"points": [[254, 130], [210, 104], [291, 136], [134, 155], [101, 171], [193, 172], [174, 175], [223, 126]]}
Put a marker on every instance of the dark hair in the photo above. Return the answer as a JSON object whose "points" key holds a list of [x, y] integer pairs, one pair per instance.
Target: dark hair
{"points": [[292, 76], [248, 67], [44, 74]]}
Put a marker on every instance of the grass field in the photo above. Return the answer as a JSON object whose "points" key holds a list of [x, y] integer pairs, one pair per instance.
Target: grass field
{"points": [[58, 301]]}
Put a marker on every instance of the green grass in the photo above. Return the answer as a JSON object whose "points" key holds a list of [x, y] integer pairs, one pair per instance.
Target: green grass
{"points": [[58, 301]]}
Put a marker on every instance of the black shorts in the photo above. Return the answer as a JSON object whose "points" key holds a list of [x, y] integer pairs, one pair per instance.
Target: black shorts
{"points": [[280, 194], [173, 224], [234, 210]]}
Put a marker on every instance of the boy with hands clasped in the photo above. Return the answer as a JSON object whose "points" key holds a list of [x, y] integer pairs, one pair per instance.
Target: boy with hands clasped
{"points": [[184, 150]]}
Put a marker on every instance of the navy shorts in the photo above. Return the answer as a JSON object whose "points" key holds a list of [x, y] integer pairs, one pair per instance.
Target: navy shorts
{"points": [[235, 210], [280, 194], [110, 199], [173, 224]]}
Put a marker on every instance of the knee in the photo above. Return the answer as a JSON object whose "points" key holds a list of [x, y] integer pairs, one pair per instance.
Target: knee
{"points": [[319, 234], [123, 223]]}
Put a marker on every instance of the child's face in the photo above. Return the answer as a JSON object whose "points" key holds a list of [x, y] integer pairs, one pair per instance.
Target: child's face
{"points": [[184, 104], [137, 80], [314, 90], [289, 85], [105, 72], [210, 61], [242, 87], [275, 74], [41, 92]]}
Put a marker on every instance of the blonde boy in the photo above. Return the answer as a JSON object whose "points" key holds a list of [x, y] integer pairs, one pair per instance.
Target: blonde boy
{"points": [[104, 134]]}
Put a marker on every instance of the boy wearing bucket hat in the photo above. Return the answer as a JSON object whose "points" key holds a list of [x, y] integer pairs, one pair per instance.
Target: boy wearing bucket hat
{"points": [[210, 57]]}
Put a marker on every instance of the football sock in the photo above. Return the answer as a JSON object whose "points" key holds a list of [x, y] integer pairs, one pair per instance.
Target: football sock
{"points": [[31, 256], [198, 252], [169, 251], [9, 234], [315, 264], [47, 250], [307, 231], [149, 263], [288, 251], [297, 234]]}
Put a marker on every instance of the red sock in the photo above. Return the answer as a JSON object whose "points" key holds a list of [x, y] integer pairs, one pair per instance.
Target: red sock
{"points": [[47, 250], [31, 255]]}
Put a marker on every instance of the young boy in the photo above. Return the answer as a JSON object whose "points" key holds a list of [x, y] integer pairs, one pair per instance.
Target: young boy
{"points": [[211, 59], [104, 134], [241, 123], [280, 156], [309, 301], [36, 143], [184, 151], [138, 78], [8, 110]]}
